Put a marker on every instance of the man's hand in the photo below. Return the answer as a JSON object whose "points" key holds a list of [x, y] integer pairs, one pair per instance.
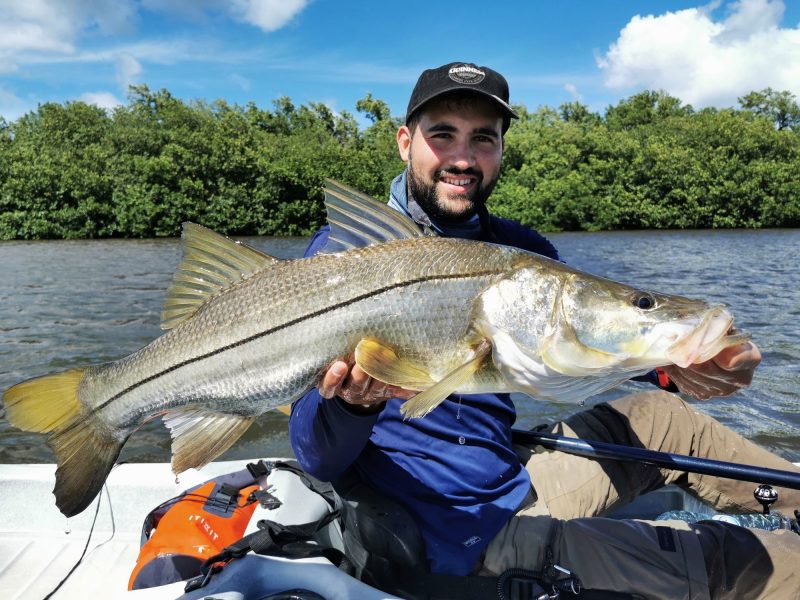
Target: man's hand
{"points": [[354, 386], [729, 371]]}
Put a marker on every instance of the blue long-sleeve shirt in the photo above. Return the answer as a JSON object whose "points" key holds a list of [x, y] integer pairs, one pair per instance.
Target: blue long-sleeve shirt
{"points": [[455, 470]]}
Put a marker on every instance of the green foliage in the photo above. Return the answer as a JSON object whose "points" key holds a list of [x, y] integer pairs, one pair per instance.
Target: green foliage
{"points": [[779, 107], [649, 162], [75, 170]]}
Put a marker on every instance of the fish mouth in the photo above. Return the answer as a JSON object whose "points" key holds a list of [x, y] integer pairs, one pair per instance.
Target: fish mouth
{"points": [[713, 334]]}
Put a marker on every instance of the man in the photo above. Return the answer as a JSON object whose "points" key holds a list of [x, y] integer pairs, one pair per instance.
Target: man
{"points": [[456, 471]]}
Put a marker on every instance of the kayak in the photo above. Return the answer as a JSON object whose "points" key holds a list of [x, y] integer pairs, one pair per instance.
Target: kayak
{"points": [[95, 552], [39, 547]]}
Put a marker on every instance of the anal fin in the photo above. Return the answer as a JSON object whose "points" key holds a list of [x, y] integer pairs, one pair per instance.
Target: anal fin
{"points": [[199, 436], [424, 402]]}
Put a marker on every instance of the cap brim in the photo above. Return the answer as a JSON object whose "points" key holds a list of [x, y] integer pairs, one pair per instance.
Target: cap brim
{"points": [[507, 110]]}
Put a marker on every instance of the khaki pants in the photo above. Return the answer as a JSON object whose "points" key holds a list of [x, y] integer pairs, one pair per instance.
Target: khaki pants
{"points": [[665, 559]]}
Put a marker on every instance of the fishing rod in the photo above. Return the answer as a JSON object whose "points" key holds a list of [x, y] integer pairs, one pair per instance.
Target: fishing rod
{"points": [[677, 462]]}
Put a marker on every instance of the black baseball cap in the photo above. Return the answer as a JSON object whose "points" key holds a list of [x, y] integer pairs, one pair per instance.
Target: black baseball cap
{"points": [[461, 76]]}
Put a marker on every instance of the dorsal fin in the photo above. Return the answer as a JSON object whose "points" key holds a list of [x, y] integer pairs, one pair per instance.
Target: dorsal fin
{"points": [[357, 220], [211, 263]]}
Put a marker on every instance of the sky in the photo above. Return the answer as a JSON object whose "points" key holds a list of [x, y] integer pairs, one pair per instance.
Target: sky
{"points": [[337, 51]]}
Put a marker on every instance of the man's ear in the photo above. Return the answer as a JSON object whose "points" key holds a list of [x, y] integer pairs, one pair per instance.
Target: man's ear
{"points": [[404, 142]]}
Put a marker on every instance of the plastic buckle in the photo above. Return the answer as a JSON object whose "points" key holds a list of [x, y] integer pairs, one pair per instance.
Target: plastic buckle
{"points": [[568, 583], [260, 469], [203, 579], [267, 500]]}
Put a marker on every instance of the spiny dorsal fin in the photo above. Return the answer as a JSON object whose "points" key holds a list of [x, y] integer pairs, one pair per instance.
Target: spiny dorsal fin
{"points": [[357, 220], [211, 263], [199, 436]]}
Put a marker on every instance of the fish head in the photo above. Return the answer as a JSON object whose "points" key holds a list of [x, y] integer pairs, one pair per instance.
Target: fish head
{"points": [[601, 325], [560, 320]]}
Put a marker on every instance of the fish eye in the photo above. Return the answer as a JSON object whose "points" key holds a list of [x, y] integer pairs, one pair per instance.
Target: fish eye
{"points": [[643, 300]]}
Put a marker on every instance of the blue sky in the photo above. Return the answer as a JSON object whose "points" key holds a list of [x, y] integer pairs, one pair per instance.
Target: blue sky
{"points": [[336, 52]]}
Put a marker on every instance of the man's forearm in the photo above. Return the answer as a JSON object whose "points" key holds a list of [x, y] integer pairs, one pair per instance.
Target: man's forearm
{"points": [[326, 435]]}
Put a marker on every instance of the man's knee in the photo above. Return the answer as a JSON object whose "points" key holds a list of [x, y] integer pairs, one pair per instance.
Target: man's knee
{"points": [[749, 563], [653, 403], [522, 543]]}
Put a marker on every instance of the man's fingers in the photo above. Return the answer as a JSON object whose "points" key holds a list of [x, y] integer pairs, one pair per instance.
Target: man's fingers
{"points": [[355, 386], [707, 380], [392, 391], [332, 379], [359, 380], [743, 357]]}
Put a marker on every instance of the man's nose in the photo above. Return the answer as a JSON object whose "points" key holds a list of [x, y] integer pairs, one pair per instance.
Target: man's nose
{"points": [[462, 155]]}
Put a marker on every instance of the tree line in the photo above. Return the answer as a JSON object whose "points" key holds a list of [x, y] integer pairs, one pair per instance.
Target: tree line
{"points": [[74, 170]]}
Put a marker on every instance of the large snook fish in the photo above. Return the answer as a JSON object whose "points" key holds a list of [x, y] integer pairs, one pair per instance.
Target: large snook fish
{"points": [[248, 333]]}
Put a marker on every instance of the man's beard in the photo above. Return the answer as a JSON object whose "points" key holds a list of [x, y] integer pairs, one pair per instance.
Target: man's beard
{"points": [[437, 209]]}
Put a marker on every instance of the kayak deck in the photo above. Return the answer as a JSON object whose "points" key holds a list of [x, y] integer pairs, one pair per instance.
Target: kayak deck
{"points": [[39, 546]]}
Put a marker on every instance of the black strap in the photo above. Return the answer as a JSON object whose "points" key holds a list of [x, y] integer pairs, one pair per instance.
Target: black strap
{"points": [[323, 488], [274, 539]]}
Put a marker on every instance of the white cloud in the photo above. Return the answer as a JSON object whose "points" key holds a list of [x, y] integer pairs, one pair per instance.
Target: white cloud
{"points": [[573, 91], [703, 61], [55, 26], [38, 31], [105, 100], [268, 15], [128, 70], [240, 81]]}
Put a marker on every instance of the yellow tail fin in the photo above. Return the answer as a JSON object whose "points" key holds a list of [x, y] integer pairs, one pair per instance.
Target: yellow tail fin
{"points": [[85, 456], [84, 451], [44, 404]]}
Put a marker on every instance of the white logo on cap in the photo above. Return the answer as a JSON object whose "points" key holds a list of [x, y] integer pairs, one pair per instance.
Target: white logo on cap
{"points": [[466, 74]]}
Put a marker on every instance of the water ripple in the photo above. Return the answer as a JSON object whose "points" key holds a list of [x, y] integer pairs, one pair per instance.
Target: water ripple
{"points": [[68, 303]]}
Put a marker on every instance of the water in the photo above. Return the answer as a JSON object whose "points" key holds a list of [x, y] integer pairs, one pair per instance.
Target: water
{"points": [[71, 303]]}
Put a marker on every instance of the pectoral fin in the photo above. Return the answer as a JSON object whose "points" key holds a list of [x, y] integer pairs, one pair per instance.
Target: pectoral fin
{"points": [[381, 362], [424, 402], [199, 436]]}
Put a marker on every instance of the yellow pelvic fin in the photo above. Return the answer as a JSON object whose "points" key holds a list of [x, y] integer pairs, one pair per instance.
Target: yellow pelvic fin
{"points": [[424, 402], [199, 436], [45, 403], [211, 263], [382, 363]]}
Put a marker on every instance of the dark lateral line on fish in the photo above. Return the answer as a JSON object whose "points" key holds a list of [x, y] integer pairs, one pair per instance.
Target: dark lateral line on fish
{"points": [[288, 324]]}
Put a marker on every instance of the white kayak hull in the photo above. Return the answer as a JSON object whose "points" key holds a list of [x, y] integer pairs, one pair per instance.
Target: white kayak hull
{"points": [[39, 546]]}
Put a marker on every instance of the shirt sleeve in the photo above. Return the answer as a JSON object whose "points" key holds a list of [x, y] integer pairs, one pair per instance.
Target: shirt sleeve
{"points": [[326, 435]]}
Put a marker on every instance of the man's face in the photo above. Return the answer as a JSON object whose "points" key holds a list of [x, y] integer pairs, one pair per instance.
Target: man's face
{"points": [[453, 157]]}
